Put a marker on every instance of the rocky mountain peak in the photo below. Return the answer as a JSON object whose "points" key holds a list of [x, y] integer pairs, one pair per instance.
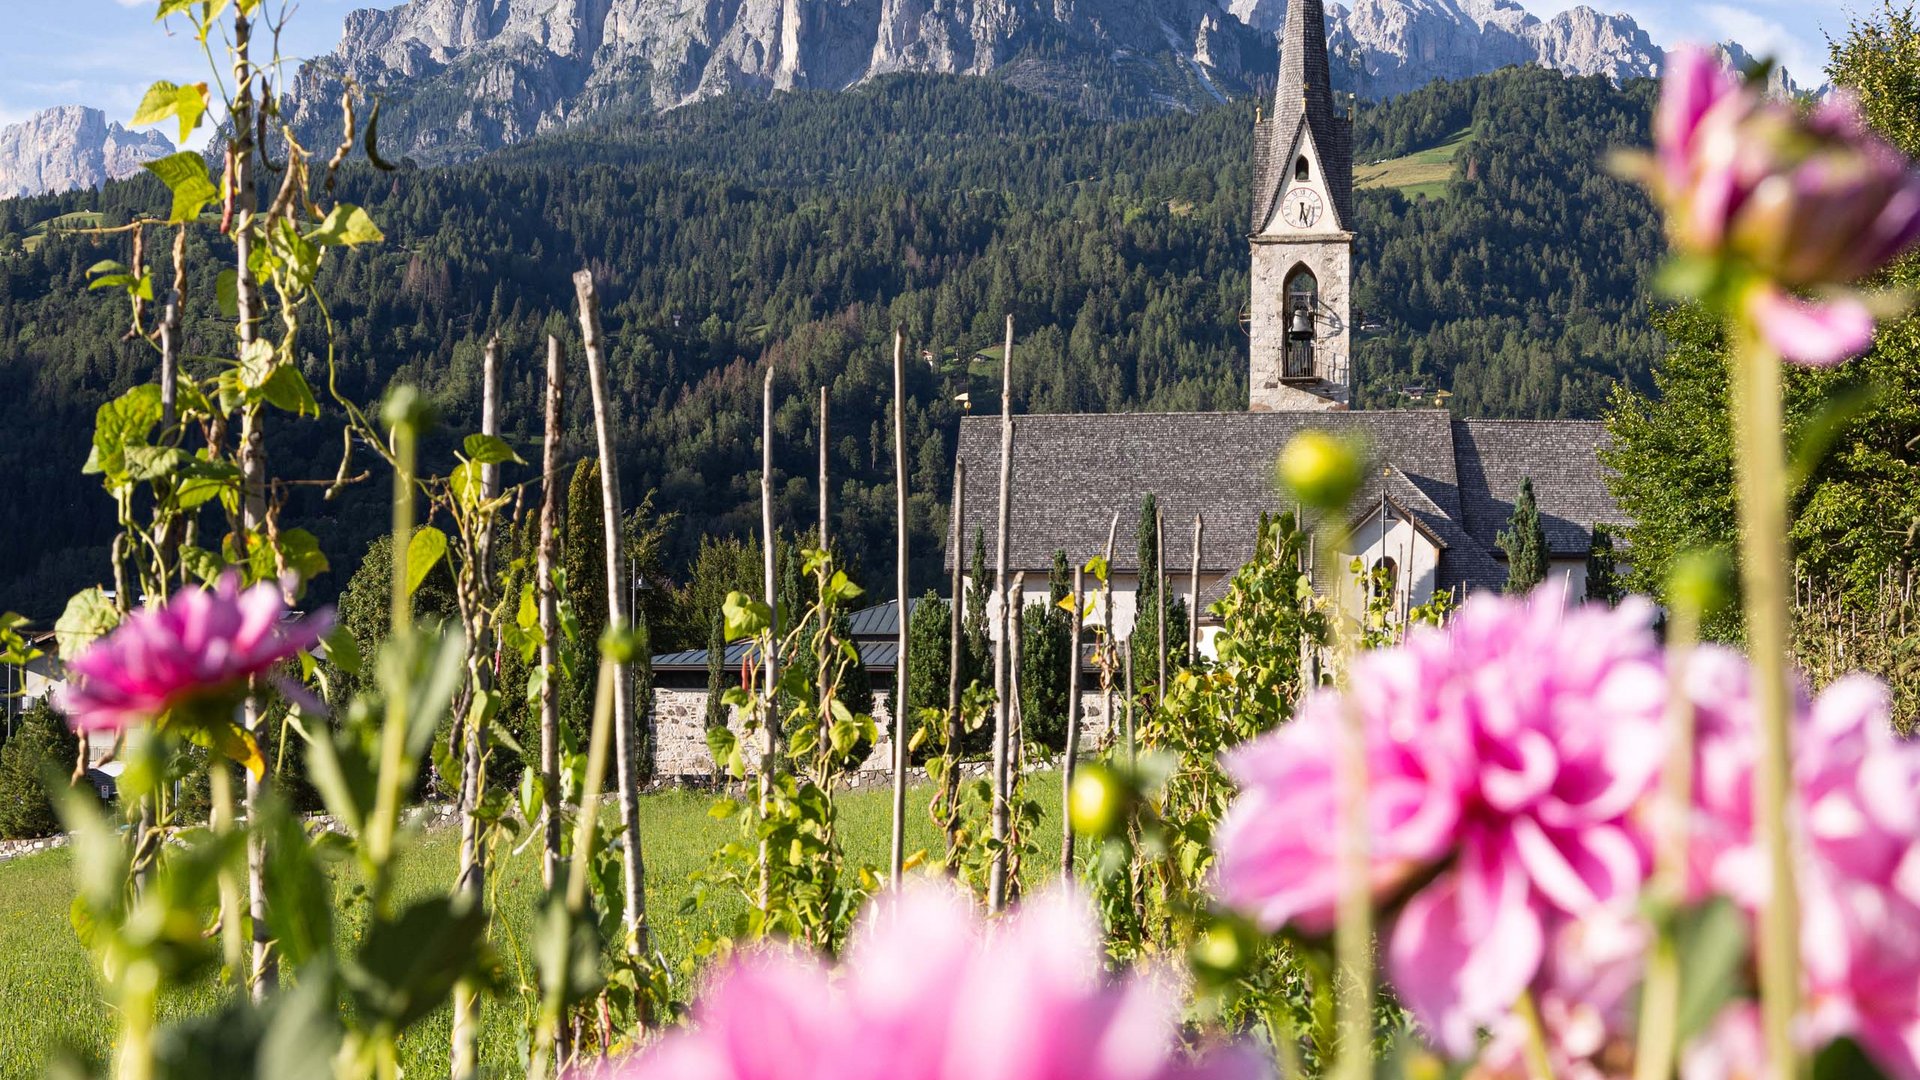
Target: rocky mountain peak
{"points": [[71, 146]]}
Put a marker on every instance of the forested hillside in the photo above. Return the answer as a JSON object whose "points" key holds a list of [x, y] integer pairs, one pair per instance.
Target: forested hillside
{"points": [[802, 230]]}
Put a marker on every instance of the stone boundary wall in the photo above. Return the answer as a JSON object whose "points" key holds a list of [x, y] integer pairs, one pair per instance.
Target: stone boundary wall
{"points": [[681, 760]]}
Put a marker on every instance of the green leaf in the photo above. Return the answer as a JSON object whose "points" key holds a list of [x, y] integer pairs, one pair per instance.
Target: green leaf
{"points": [[163, 99], [301, 916], [567, 951], [185, 174], [89, 614], [287, 389], [299, 551], [406, 967], [424, 551], [346, 226], [148, 463], [1712, 943], [343, 651], [469, 486], [1843, 1059], [1097, 567], [745, 616], [123, 422], [491, 450]]}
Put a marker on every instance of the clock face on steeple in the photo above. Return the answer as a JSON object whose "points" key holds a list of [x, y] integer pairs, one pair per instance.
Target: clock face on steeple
{"points": [[1302, 208]]}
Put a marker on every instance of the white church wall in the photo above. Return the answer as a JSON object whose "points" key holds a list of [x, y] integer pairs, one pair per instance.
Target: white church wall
{"points": [[1416, 559]]}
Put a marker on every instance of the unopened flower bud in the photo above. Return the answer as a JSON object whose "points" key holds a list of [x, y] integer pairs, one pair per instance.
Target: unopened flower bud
{"points": [[1321, 470]]}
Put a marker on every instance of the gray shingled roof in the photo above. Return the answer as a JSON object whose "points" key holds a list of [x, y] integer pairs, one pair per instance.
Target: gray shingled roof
{"points": [[1563, 459], [1304, 95], [1072, 473]]}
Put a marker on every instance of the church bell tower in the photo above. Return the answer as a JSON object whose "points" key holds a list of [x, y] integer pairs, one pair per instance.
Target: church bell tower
{"points": [[1302, 239]]}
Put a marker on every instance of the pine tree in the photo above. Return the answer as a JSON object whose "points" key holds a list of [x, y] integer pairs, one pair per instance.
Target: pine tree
{"points": [[1603, 569], [1525, 542]]}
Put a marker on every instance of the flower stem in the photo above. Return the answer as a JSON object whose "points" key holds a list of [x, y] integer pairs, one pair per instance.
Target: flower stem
{"points": [[1761, 482], [1539, 1061], [232, 947], [1660, 1000]]}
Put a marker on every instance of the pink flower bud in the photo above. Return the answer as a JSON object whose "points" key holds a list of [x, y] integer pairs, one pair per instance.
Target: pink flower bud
{"points": [[1805, 199]]}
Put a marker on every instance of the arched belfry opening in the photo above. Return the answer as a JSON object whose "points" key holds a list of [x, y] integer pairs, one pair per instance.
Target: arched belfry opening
{"points": [[1301, 173], [1302, 320]]}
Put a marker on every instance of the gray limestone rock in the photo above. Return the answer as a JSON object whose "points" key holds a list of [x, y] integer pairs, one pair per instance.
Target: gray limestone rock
{"points": [[71, 146]]}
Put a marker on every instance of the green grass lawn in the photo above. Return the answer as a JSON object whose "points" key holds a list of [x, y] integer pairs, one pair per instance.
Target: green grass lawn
{"points": [[1421, 174], [49, 998]]}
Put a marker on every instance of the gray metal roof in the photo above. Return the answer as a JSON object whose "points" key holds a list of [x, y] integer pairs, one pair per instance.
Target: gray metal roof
{"points": [[1303, 97], [1072, 473], [875, 655], [880, 620]]}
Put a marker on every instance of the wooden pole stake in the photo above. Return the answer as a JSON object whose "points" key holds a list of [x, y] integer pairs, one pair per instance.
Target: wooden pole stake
{"points": [[625, 745], [1193, 595], [548, 556], [1073, 726], [997, 871], [899, 704], [957, 548]]}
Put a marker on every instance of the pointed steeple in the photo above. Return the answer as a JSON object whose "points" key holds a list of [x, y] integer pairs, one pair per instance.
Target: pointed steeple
{"points": [[1304, 96]]}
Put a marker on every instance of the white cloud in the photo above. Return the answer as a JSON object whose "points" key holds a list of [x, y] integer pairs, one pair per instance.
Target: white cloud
{"points": [[1767, 37]]}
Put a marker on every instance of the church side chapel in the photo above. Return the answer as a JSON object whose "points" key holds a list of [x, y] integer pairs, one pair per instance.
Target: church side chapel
{"points": [[1439, 490]]}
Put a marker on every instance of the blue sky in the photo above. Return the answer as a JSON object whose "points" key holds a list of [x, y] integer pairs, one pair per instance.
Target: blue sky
{"points": [[104, 52]]}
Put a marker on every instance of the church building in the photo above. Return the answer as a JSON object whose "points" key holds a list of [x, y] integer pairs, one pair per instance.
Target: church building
{"points": [[1439, 489]]}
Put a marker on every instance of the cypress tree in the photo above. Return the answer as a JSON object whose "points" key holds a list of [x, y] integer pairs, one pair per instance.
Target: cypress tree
{"points": [[1146, 597], [1525, 542], [583, 553], [978, 653], [716, 673], [1047, 636], [927, 639], [40, 742], [1603, 569]]}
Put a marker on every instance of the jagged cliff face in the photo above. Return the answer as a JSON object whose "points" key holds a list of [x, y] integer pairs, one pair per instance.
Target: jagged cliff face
{"points": [[464, 76], [461, 77], [1385, 47], [70, 146]]}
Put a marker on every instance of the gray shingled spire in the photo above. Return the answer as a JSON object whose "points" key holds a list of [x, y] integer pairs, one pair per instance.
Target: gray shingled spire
{"points": [[1305, 91]]}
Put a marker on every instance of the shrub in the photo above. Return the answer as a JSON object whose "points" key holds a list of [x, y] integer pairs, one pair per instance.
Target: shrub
{"points": [[41, 742]]}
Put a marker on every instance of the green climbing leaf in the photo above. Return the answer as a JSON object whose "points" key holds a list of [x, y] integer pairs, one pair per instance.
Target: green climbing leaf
{"points": [[185, 174]]}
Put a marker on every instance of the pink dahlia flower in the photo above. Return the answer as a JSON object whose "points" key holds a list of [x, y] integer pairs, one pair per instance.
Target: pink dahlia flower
{"points": [[196, 649], [1506, 756], [1856, 821], [1805, 200], [930, 992]]}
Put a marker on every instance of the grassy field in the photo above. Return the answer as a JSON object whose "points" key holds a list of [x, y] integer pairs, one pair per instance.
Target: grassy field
{"points": [[1421, 174], [84, 219], [49, 997]]}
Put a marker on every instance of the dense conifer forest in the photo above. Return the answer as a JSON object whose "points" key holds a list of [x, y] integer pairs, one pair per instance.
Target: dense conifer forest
{"points": [[802, 231]]}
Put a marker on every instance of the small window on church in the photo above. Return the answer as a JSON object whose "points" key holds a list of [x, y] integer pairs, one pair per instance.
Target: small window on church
{"points": [[1300, 170]]}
